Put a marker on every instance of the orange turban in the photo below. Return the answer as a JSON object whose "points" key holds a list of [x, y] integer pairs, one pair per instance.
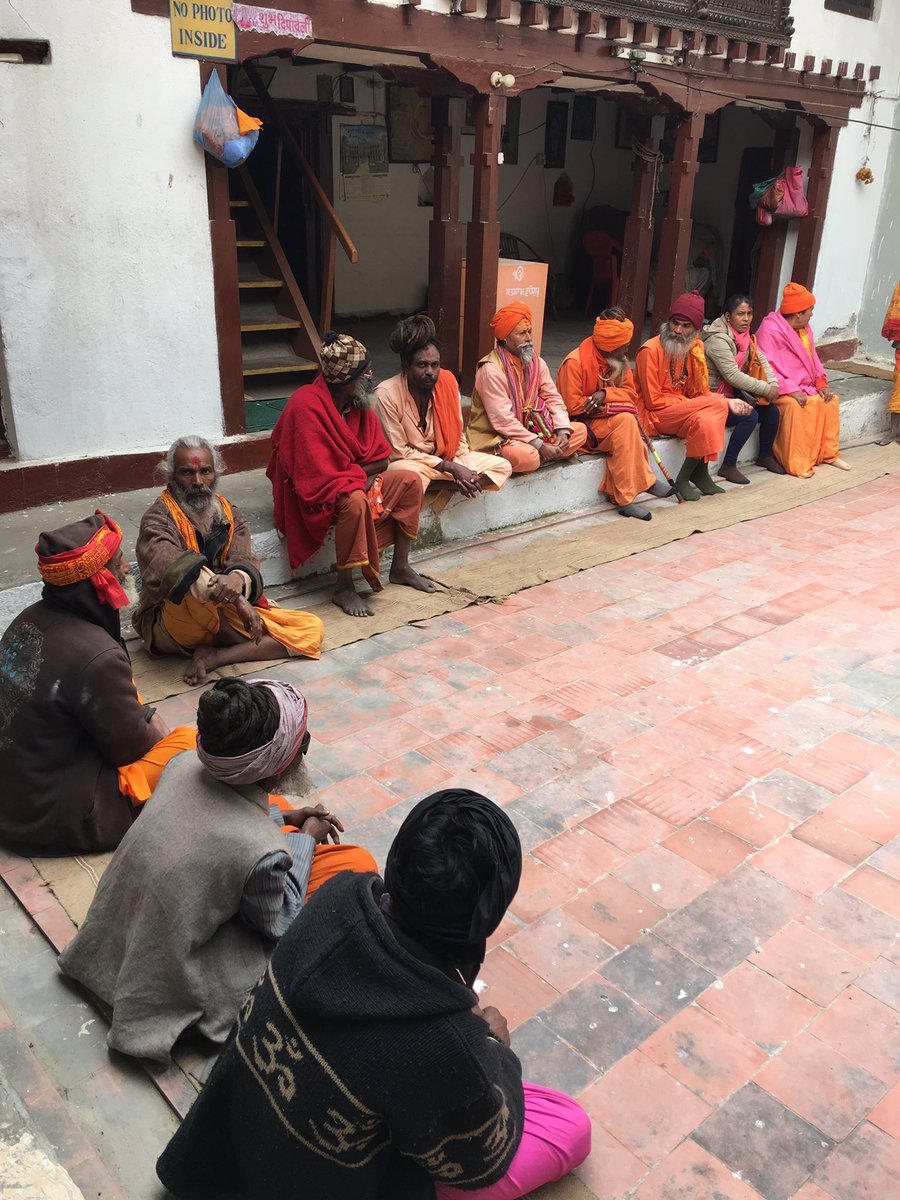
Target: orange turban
{"points": [[505, 319], [796, 299], [610, 335], [81, 551]]}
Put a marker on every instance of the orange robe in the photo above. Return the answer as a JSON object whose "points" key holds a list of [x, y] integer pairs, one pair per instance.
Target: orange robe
{"points": [[619, 437], [667, 407]]}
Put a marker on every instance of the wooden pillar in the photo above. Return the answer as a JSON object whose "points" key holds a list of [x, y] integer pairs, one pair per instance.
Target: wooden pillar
{"points": [[483, 235], [675, 242], [809, 241], [638, 246], [225, 283], [774, 237], [445, 231]]}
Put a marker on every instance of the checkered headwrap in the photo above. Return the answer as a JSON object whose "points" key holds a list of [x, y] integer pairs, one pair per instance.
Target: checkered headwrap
{"points": [[343, 358]]}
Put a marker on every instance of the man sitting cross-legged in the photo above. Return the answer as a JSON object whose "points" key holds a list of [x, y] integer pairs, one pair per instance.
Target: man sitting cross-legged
{"points": [[201, 588], [597, 385], [79, 751], [184, 918], [362, 1066], [422, 418], [329, 467], [673, 384], [516, 410]]}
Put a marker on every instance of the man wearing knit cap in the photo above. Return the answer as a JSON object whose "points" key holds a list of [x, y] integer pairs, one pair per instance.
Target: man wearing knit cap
{"points": [[516, 410], [810, 429], [329, 467], [79, 752], [673, 384], [598, 388]]}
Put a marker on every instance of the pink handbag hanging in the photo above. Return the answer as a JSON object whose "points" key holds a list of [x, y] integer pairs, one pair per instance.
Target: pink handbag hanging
{"points": [[793, 203]]}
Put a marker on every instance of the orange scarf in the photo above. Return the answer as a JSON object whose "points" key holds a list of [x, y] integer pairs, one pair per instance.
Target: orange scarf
{"points": [[593, 366], [447, 417], [697, 373], [186, 529], [891, 327]]}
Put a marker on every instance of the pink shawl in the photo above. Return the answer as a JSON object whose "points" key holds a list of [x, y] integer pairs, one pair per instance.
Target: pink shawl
{"points": [[795, 370]]}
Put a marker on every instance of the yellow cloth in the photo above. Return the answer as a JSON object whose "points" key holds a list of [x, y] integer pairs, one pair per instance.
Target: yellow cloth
{"points": [[195, 623], [894, 402]]}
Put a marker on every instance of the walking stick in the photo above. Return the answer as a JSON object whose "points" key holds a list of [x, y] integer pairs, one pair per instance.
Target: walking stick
{"points": [[652, 451]]}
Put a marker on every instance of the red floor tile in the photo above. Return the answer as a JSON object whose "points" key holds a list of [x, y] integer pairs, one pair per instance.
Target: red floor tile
{"points": [[643, 1107], [808, 963], [560, 950], [800, 866], [580, 856], [610, 1171], [615, 911], [886, 1114], [709, 847], [691, 1173], [410, 774], [713, 778], [673, 801], [704, 1054], [754, 823], [758, 1006], [540, 889], [628, 826], [875, 888], [663, 877], [863, 1030], [513, 987], [857, 927], [835, 839], [874, 817]]}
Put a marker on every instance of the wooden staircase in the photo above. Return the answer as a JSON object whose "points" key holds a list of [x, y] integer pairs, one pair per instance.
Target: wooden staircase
{"points": [[280, 339]]}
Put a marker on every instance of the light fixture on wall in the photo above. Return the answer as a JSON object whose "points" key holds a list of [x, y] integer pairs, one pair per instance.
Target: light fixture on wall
{"points": [[499, 80]]}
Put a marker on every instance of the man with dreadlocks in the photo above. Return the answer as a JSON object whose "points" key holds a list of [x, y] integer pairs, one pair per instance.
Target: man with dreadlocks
{"points": [[79, 751], [598, 387], [201, 586], [216, 869], [673, 384], [362, 1066], [516, 410], [329, 467], [422, 418]]}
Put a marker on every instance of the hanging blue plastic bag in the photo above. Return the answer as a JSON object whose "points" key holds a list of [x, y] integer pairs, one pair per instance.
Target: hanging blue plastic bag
{"points": [[217, 129]]}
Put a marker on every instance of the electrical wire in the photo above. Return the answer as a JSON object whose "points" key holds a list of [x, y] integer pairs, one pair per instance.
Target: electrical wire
{"points": [[519, 184]]}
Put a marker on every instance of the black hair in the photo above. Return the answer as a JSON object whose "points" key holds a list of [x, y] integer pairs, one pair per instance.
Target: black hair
{"points": [[412, 335], [234, 717], [736, 301], [453, 862], [613, 314]]}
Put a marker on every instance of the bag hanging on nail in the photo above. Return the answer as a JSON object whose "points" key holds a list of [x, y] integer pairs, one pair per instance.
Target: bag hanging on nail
{"points": [[780, 198], [221, 128]]}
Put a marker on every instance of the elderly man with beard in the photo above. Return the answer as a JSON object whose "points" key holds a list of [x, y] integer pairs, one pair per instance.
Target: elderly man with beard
{"points": [[329, 467], [516, 410], [79, 751], [201, 587], [422, 418], [673, 383], [598, 387]]}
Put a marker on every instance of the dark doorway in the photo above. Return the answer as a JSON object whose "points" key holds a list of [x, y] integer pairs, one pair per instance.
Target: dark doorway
{"points": [[756, 165]]}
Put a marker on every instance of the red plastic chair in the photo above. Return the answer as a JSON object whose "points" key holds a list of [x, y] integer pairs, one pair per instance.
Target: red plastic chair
{"points": [[606, 256]]}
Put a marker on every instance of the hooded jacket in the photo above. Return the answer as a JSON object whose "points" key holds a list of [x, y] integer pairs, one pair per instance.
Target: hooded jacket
{"points": [[721, 351], [357, 1071]]}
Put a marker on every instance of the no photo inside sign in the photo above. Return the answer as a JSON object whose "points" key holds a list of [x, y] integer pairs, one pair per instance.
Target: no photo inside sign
{"points": [[209, 31]]}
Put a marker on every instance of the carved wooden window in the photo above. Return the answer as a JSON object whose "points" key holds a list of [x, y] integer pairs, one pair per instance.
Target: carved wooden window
{"points": [[853, 8]]}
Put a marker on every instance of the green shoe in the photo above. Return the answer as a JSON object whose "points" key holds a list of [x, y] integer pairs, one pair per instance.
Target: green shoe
{"points": [[701, 479]]}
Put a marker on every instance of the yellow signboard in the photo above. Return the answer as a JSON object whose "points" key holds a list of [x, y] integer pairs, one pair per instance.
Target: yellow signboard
{"points": [[203, 30]]}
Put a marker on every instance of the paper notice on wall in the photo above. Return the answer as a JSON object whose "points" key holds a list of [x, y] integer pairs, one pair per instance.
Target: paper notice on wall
{"points": [[253, 19], [364, 162]]}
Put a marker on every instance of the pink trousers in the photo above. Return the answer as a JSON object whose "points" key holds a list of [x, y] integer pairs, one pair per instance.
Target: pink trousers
{"points": [[556, 1139]]}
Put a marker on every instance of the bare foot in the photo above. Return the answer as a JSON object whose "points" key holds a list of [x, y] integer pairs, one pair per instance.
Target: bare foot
{"points": [[204, 660], [351, 602], [840, 463], [410, 578]]}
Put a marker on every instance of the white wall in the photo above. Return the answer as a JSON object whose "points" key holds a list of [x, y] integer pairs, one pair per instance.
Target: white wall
{"points": [[884, 258], [106, 293], [853, 207]]}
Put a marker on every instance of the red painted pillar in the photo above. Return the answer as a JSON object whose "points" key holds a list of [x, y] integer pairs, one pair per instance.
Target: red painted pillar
{"points": [[675, 242], [483, 237], [445, 231], [809, 241], [638, 246]]}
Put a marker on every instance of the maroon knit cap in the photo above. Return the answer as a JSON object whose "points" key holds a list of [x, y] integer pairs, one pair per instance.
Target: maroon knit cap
{"points": [[689, 307]]}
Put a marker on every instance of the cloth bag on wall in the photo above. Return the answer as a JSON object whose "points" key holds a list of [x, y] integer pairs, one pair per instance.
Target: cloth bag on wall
{"points": [[780, 198], [221, 128]]}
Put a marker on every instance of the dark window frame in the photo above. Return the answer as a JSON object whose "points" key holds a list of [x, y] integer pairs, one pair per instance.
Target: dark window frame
{"points": [[864, 9]]}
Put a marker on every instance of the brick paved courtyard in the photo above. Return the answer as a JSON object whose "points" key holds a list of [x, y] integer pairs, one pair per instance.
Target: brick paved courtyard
{"points": [[700, 746]]}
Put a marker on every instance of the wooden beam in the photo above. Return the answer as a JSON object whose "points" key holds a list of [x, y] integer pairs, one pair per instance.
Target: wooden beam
{"points": [[498, 10], [668, 39], [809, 239], [774, 237], [445, 229], [467, 7], [616, 27], [737, 51], [675, 240], [561, 17], [483, 235], [644, 34], [716, 47], [825, 66], [589, 24], [638, 244], [532, 13]]}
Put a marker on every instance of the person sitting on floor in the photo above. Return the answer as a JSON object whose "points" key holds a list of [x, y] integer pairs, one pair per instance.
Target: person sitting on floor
{"points": [[79, 751], [597, 385], [891, 330], [185, 914], [516, 410], [740, 373], [810, 430], [201, 587], [673, 384], [422, 418], [329, 467], [363, 1062]]}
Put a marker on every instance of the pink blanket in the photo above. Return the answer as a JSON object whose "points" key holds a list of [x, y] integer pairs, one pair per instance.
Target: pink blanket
{"points": [[795, 370]]}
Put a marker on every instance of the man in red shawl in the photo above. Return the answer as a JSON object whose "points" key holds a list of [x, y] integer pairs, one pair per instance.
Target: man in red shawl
{"points": [[329, 467], [79, 752], [598, 387], [422, 418], [673, 384], [516, 410]]}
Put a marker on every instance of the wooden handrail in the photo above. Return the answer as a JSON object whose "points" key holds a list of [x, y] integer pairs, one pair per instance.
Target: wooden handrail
{"points": [[290, 142]]}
